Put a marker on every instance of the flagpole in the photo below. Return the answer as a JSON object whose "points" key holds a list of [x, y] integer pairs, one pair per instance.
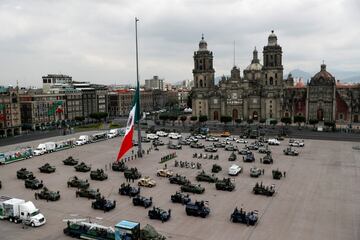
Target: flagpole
{"points": [[137, 82]]}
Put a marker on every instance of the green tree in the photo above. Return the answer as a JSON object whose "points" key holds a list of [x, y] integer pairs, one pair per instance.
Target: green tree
{"points": [[299, 119], [273, 122], [183, 119], [286, 120], [203, 118], [263, 120], [79, 118], [238, 121], [173, 118], [98, 115], [164, 117], [225, 119], [193, 118], [250, 121], [313, 122]]}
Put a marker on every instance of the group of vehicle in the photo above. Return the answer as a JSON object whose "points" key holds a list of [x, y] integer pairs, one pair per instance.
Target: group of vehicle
{"points": [[206, 156], [186, 164]]}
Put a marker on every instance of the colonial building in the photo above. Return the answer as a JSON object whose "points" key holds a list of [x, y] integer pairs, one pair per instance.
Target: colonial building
{"points": [[263, 92], [10, 117]]}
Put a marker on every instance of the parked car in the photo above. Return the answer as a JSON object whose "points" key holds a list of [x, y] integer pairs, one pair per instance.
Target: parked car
{"points": [[164, 172], [234, 170], [162, 134], [210, 149], [241, 140], [142, 201], [146, 182]]}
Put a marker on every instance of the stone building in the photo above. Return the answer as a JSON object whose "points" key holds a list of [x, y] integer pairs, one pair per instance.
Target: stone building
{"points": [[10, 114]]}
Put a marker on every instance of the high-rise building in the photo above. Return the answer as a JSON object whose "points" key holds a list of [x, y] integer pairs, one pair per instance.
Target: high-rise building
{"points": [[154, 83]]}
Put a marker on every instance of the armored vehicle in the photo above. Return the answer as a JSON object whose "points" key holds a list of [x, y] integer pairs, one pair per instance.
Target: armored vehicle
{"points": [[197, 209], [98, 175], [216, 168], [78, 183], [267, 159], [24, 174], [33, 183], [82, 167], [146, 182], [70, 161], [88, 193], [119, 166], [164, 173], [157, 142], [210, 149], [142, 201], [290, 151], [219, 144], [127, 190], [198, 189], [103, 204], [196, 145], [248, 218], [158, 213], [203, 177], [276, 174], [249, 157], [253, 147], [184, 142], [232, 156], [230, 147], [174, 146], [178, 179], [264, 150], [225, 185], [262, 190], [46, 168], [132, 173], [255, 172], [180, 198], [244, 151], [48, 195]]}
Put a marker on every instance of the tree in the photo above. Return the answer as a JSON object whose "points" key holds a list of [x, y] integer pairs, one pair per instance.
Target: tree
{"points": [[98, 115], [238, 121], [273, 122], [173, 118], [299, 119], [183, 119], [313, 122], [286, 120], [193, 118], [164, 117], [263, 120], [250, 121], [330, 124], [203, 118], [225, 119], [79, 118]]}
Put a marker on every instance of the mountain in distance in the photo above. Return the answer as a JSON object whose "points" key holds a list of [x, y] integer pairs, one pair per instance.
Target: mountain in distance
{"points": [[298, 73], [343, 76]]}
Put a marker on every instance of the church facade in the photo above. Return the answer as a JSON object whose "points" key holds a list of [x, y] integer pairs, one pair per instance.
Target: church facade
{"points": [[262, 92]]}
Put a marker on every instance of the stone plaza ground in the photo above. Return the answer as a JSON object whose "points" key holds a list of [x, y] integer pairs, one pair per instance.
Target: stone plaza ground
{"points": [[318, 199]]}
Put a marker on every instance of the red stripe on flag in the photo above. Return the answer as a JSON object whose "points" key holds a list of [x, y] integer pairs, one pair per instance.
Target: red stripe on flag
{"points": [[126, 144]]}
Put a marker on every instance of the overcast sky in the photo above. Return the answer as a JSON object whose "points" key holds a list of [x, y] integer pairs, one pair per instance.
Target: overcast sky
{"points": [[94, 40]]}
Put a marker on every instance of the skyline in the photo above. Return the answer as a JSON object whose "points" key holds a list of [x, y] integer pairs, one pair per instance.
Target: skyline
{"points": [[95, 40]]}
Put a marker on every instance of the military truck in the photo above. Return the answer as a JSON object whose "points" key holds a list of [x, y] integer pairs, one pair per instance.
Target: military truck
{"points": [[249, 157], [178, 179], [78, 183], [248, 218], [70, 161], [119, 166], [33, 183], [179, 197], [203, 177], [225, 185], [232, 156], [132, 173], [88, 193], [142, 201], [48, 195], [82, 167], [160, 214], [291, 152], [255, 172], [127, 190], [276, 174], [198, 208], [103, 204], [24, 174], [198, 189], [216, 168], [98, 175], [267, 159], [47, 168], [264, 190]]}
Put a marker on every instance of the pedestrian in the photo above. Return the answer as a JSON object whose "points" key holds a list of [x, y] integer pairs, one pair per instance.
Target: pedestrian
{"points": [[132, 179], [132, 157], [284, 174], [105, 167], [165, 166], [36, 196], [260, 160], [132, 151], [110, 165], [263, 171]]}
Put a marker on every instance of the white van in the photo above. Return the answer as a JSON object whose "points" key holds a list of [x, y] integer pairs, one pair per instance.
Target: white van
{"points": [[83, 139]]}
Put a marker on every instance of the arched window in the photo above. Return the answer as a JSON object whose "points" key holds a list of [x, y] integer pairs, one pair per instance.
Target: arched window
{"points": [[271, 81], [216, 115], [275, 75], [201, 83], [235, 114]]}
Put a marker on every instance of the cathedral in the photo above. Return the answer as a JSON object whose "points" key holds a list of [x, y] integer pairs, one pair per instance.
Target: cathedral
{"points": [[262, 92]]}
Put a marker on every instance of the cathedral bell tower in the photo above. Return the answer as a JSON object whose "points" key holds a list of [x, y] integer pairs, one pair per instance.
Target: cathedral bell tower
{"points": [[273, 68], [203, 67]]}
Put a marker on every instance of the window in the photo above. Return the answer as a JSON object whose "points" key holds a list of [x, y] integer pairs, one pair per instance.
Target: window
{"points": [[271, 81], [275, 75]]}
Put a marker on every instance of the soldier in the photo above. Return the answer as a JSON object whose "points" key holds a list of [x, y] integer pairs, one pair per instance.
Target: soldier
{"points": [[263, 171], [105, 167], [36, 195], [284, 174]]}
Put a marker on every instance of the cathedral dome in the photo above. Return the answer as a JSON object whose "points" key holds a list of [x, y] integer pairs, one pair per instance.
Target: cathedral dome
{"points": [[202, 44], [323, 77], [255, 63]]}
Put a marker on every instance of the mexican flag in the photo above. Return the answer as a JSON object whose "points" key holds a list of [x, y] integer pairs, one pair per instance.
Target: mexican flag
{"points": [[134, 115]]}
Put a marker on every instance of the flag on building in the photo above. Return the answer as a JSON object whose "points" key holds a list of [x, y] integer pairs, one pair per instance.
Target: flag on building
{"points": [[134, 115]]}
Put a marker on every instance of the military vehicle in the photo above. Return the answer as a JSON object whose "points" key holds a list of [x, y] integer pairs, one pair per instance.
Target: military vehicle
{"points": [[276, 174], [157, 142], [264, 150], [158, 213], [267, 159], [255, 172], [219, 144], [216, 168], [184, 142], [264, 190], [230, 147], [210, 149], [127, 190], [132, 173], [178, 179], [82, 167], [248, 218], [47, 168], [48, 195], [119, 166], [198, 189], [24, 174], [88, 193], [146, 182], [196, 145], [98, 175], [142, 201], [198, 208], [33, 183], [103, 204], [164, 173], [70, 161], [174, 146], [291, 152], [225, 185], [232, 156], [178, 197], [249, 157], [203, 177], [78, 183], [253, 147], [244, 151]]}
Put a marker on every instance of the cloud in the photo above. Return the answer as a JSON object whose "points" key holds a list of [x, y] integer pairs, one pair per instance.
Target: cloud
{"points": [[94, 40]]}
